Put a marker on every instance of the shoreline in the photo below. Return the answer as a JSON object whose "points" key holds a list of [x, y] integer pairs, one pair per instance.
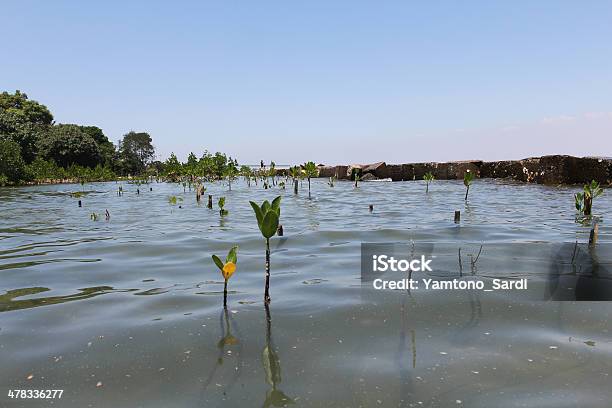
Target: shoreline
{"points": [[553, 169]]}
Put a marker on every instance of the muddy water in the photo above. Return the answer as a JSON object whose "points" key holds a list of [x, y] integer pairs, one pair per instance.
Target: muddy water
{"points": [[128, 312]]}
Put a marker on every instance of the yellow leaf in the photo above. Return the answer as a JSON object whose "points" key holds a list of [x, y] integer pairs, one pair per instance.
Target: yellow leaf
{"points": [[228, 270]]}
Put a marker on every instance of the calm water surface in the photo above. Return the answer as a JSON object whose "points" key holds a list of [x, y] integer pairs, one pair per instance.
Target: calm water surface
{"points": [[128, 312]]}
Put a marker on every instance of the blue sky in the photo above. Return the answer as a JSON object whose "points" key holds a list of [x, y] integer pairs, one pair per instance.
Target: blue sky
{"points": [[329, 81]]}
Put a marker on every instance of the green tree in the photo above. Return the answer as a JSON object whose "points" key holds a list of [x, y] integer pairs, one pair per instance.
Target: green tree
{"points": [[172, 167], [219, 164], [69, 144], [23, 121], [107, 148], [27, 110], [135, 152], [11, 163]]}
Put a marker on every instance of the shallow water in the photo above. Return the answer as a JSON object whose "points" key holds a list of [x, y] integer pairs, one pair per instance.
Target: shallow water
{"points": [[128, 312]]}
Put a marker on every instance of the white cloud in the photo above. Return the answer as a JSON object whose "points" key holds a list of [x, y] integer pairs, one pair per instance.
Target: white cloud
{"points": [[558, 119]]}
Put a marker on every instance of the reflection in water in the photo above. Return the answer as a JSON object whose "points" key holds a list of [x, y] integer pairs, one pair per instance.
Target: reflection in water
{"points": [[578, 273], [406, 385], [272, 368], [7, 302], [224, 344]]}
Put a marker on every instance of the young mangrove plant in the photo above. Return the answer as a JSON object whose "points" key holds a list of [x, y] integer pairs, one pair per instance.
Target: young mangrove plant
{"points": [[281, 185], [173, 200], [310, 170], [468, 177], [272, 172], [222, 210], [294, 173], [357, 178], [227, 268], [268, 216], [584, 200], [428, 177], [247, 173], [332, 181], [231, 172]]}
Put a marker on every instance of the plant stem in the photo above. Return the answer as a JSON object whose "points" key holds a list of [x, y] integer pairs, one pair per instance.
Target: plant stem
{"points": [[225, 294], [588, 204], [466, 192], [267, 291]]}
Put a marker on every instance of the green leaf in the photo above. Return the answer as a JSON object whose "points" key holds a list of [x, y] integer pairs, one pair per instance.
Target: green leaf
{"points": [[269, 224], [231, 255], [265, 207], [218, 262], [579, 200], [258, 213], [276, 205]]}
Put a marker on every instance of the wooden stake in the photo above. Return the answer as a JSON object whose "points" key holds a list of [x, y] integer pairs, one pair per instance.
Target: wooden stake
{"points": [[371, 207], [80, 204], [209, 201], [280, 230], [457, 216]]}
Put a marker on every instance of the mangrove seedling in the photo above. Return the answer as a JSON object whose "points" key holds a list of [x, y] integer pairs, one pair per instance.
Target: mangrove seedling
{"points": [[468, 177], [331, 181], [231, 172], [281, 185], [584, 200], [222, 210], [247, 173], [294, 173], [268, 216], [94, 216], [272, 172], [227, 268], [357, 178], [428, 177], [173, 200], [310, 170]]}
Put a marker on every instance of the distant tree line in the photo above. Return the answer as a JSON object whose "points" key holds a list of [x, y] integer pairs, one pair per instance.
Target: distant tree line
{"points": [[209, 166], [34, 148]]}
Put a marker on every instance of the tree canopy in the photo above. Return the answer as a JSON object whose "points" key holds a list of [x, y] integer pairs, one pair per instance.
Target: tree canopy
{"points": [[136, 151], [70, 144], [31, 138]]}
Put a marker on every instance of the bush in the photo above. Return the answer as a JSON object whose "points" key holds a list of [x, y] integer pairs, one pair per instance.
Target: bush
{"points": [[12, 165], [41, 170], [46, 170]]}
